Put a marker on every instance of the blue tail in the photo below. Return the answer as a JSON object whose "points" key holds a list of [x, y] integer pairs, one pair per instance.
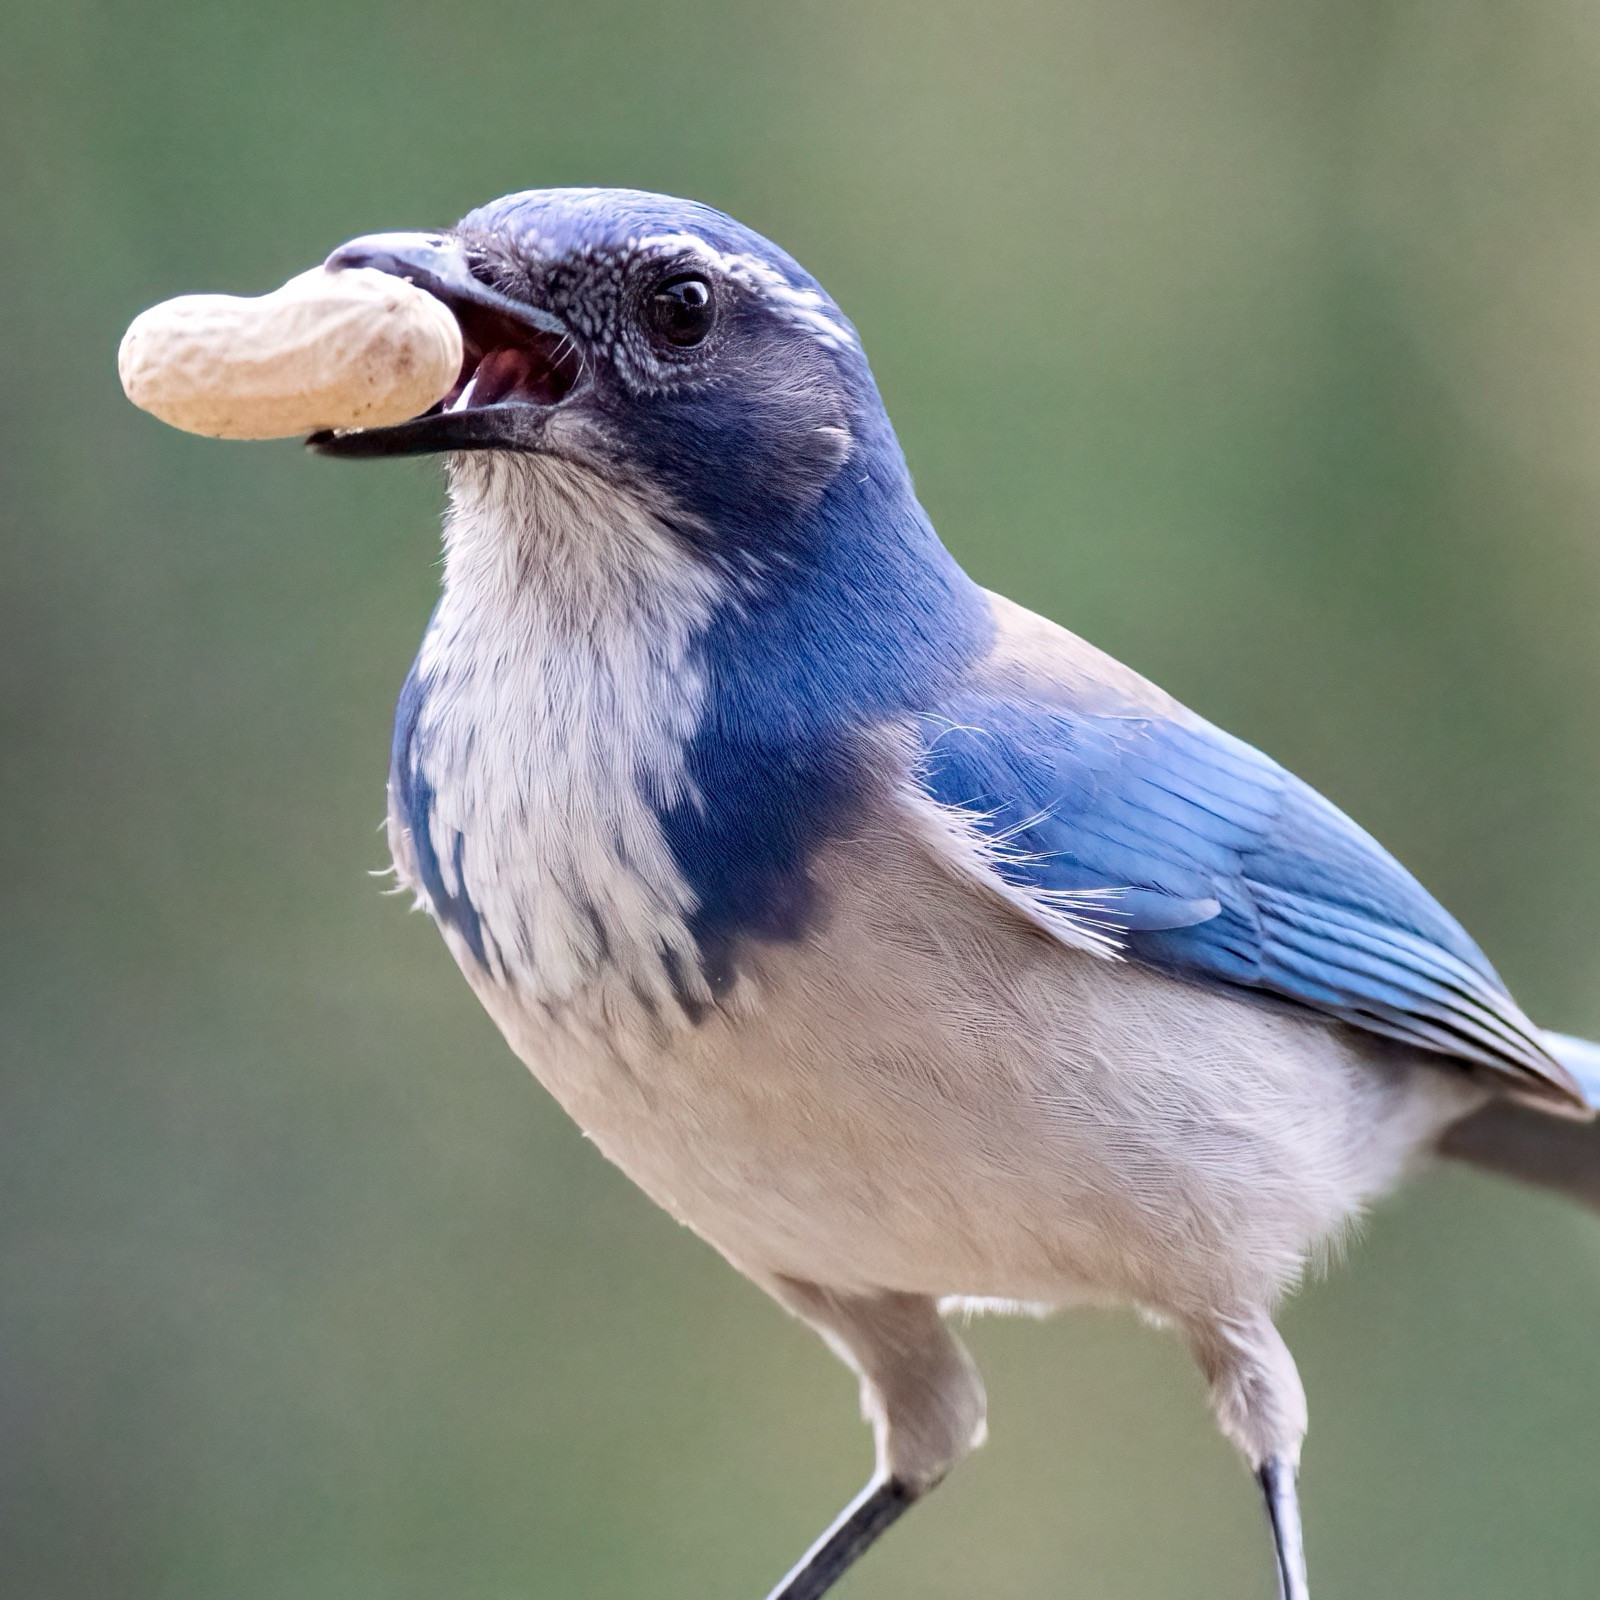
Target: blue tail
{"points": [[1581, 1057], [1520, 1141]]}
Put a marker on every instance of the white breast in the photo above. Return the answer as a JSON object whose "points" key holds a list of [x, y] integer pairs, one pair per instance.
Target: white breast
{"points": [[560, 689]]}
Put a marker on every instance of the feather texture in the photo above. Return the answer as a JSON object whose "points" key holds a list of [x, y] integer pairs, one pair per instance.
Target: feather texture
{"points": [[1192, 852]]}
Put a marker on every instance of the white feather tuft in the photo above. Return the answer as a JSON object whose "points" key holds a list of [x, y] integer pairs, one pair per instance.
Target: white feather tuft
{"points": [[561, 690]]}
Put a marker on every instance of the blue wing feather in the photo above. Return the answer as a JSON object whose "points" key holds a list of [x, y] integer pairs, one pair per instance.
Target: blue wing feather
{"points": [[1215, 864]]}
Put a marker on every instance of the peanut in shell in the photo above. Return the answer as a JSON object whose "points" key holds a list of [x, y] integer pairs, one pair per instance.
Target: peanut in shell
{"points": [[356, 348]]}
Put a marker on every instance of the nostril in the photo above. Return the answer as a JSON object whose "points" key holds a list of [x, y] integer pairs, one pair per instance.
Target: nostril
{"points": [[482, 269]]}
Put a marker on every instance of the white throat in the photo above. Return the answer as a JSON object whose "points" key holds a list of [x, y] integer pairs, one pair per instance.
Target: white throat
{"points": [[560, 689]]}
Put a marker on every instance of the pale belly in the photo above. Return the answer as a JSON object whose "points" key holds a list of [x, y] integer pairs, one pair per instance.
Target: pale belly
{"points": [[928, 1095]]}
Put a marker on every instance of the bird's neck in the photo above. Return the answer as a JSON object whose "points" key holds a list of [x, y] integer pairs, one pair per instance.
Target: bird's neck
{"points": [[550, 705], [615, 755]]}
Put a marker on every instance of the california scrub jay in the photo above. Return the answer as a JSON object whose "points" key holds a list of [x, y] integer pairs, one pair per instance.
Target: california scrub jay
{"points": [[900, 943]]}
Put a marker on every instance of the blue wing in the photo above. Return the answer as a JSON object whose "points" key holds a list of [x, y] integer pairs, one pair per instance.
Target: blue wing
{"points": [[1214, 864]]}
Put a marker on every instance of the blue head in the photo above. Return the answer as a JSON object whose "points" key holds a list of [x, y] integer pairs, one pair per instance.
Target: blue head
{"points": [[680, 360], [654, 341]]}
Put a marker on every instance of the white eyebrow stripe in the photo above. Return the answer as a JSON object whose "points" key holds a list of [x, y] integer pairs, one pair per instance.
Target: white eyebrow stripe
{"points": [[804, 306]]}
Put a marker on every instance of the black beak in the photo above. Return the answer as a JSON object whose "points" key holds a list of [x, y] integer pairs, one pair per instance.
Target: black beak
{"points": [[518, 362]]}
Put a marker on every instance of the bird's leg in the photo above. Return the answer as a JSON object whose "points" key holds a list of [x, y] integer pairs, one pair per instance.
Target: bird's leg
{"points": [[922, 1395], [1261, 1407], [856, 1527], [1277, 1478]]}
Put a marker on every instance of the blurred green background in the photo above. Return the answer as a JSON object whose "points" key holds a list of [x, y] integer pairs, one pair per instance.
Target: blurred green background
{"points": [[1259, 342]]}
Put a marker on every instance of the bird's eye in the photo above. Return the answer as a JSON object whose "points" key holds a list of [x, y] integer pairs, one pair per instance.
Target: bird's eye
{"points": [[680, 310]]}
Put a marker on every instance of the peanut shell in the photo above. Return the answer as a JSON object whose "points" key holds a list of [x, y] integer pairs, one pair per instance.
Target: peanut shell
{"points": [[352, 349]]}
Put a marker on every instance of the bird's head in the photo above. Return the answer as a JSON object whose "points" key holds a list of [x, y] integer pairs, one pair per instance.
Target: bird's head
{"points": [[653, 341]]}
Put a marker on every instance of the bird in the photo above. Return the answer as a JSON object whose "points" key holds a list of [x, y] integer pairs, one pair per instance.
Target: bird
{"points": [[916, 954]]}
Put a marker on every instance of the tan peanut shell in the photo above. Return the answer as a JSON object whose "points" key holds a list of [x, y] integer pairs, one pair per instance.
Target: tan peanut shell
{"points": [[351, 349]]}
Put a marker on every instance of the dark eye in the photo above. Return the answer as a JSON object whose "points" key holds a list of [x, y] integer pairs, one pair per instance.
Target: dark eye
{"points": [[680, 310]]}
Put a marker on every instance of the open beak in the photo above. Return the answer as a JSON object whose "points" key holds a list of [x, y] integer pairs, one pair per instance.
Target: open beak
{"points": [[518, 361]]}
